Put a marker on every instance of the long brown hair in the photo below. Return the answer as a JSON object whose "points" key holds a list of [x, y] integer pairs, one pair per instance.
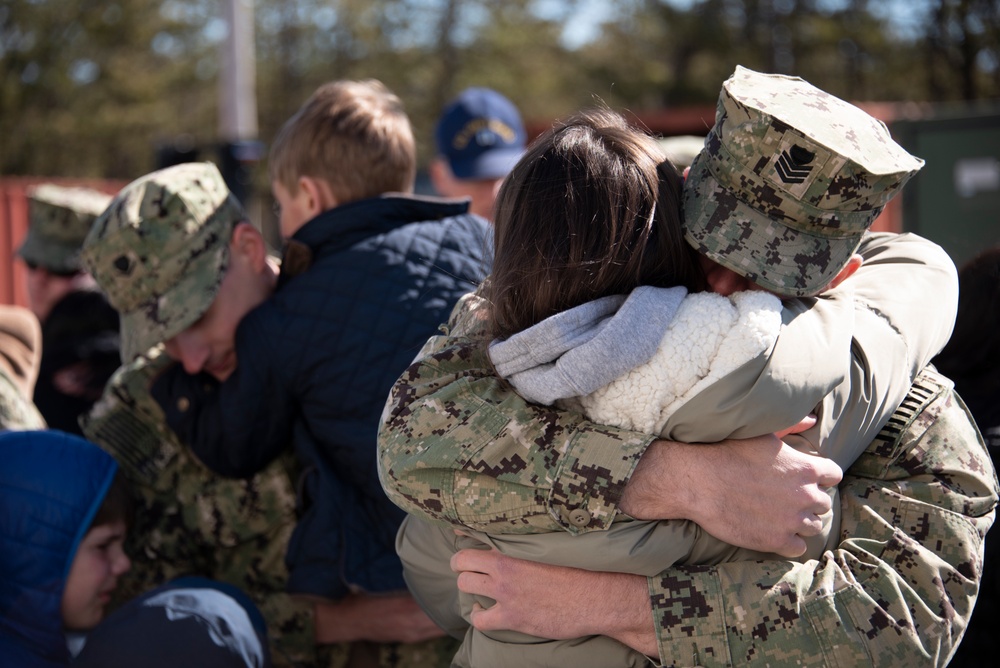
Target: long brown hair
{"points": [[592, 209]]}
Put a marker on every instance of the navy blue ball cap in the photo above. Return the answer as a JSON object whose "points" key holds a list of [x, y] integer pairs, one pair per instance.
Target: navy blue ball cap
{"points": [[481, 135]]}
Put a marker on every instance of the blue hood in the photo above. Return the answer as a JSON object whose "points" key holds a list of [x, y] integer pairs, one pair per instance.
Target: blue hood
{"points": [[51, 486]]}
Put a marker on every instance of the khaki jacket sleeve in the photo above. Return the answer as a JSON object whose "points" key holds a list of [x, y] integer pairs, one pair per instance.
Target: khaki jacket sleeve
{"points": [[457, 445], [898, 590], [906, 296]]}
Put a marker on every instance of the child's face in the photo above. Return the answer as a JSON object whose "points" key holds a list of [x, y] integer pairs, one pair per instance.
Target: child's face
{"points": [[93, 576], [295, 211]]}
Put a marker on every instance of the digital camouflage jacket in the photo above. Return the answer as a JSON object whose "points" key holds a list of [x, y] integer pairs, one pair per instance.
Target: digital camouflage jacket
{"points": [[457, 446]]}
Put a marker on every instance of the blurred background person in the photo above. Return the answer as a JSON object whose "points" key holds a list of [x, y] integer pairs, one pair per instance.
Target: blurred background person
{"points": [[479, 137], [972, 360], [80, 338], [59, 219], [20, 353], [681, 150]]}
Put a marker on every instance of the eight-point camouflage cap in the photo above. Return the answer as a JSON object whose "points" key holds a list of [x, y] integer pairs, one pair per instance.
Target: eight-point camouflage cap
{"points": [[59, 219], [160, 251], [789, 180]]}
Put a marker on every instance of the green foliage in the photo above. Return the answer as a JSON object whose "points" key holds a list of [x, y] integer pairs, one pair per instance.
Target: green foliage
{"points": [[90, 88]]}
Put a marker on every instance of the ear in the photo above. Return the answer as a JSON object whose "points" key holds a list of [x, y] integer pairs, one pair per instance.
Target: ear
{"points": [[441, 177], [248, 243], [316, 195], [852, 266]]}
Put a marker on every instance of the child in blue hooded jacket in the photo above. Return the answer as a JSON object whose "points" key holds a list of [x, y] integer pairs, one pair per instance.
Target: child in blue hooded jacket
{"points": [[64, 512], [63, 518]]}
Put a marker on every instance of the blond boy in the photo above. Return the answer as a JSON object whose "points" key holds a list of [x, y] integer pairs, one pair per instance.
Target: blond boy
{"points": [[305, 357]]}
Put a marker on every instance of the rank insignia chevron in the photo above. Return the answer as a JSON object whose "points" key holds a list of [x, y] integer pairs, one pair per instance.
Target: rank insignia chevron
{"points": [[793, 166]]}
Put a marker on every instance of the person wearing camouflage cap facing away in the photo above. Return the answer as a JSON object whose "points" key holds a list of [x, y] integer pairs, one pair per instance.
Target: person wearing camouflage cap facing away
{"points": [[79, 327], [343, 547], [59, 219], [590, 472]]}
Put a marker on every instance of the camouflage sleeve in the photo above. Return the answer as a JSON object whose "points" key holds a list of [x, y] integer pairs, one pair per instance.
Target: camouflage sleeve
{"points": [[189, 520], [20, 355], [899, 589], [457, 445], [16, 412]]}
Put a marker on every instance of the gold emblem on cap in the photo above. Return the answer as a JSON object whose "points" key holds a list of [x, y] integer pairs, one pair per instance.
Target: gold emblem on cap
{"points": [[473, 127]]}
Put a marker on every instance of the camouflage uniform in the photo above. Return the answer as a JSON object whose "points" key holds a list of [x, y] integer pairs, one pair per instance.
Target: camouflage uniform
{"points": [[899, 589], [915, 508], [845, 423], [191, 520], [457, 446], [20, 343], [79, 326]]}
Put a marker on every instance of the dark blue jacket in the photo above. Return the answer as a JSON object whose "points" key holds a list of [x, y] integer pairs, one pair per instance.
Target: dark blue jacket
{"points": [[51, 486], [191, 622], [362, 288]]}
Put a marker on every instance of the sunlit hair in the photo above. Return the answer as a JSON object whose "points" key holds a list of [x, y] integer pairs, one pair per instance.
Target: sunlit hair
{"points": [[354, 135], [592, 209]]}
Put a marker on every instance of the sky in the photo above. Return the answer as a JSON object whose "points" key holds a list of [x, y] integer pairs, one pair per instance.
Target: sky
{"points": [[904, 15]]}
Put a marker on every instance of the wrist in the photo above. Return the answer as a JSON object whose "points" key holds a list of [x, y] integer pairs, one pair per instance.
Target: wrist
{"points": [[334, 622], [632, 622], [658, 488]]}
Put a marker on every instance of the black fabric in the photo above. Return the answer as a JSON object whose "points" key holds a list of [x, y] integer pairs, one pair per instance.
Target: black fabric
{"points": [[184, 623], [80, 352], [316, 363]]}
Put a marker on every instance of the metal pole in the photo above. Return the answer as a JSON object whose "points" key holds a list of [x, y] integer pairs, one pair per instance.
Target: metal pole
{"points": [[237, 76]]}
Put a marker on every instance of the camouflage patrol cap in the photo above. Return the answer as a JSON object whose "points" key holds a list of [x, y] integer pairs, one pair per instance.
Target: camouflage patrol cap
{"points": [[59, 219], [789, 180], [160, 251]]}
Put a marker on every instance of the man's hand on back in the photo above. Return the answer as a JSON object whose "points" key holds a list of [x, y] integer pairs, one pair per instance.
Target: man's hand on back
{"points": [[382, 618], [757, 493], [555, 601]]}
